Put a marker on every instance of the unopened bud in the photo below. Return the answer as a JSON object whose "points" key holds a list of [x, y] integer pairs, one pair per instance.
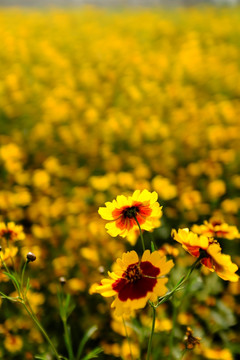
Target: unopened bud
{"points": [[62, 280], [101, 269], [31, 257]]}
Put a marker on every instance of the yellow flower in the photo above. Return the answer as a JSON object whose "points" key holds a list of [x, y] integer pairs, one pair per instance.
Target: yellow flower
{"points": [[191, 242], [216, 227], [220, 263], [12, 232], [135, 281], [8, 253], [122, 212], [211, 255], [13, 343]]}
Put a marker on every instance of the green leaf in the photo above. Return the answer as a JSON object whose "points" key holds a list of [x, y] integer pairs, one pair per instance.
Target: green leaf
{"points": [[85, 338], [153, 247], [93, 354], [14, 299], [14, 280]]}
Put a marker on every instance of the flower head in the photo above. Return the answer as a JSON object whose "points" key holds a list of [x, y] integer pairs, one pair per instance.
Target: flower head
{"points": [[210, 252], [123, 212], [216, 227], [11, 232], [135, 281], [220, 263], [191, 242]]}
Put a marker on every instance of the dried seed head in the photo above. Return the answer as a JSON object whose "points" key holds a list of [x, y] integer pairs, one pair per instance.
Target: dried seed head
{"points": [[31, 257], [190, 340]]}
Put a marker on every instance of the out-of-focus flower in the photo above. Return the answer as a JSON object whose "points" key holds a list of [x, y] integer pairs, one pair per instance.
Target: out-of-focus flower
{"points": [[164, 188], [167, 249], [122, 212], [216, 227], [13, 343], [217, 354], [135, 281], [8, 253], [11, 232], [216, 188], [210, 252]]}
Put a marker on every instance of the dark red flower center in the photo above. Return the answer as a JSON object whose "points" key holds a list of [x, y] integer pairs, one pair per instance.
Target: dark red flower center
{"points": [[130, 212], [8, 234], [136, 281], [125, 216], [133, 273]]}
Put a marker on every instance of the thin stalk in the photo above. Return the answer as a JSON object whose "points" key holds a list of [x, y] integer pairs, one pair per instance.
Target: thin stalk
{"points": [[13, 279], [179, 284], [23, 272], [68, 340], [35, 320], [183, 353], [171, 339], [141, 235], [128, 339], [151, 335]]}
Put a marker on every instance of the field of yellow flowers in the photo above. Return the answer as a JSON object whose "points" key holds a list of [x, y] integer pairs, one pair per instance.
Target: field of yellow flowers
{"points": [[96, 104]]}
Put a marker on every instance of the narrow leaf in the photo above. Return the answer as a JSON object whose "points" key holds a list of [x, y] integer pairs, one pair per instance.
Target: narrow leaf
{"points": [[85, 338]]}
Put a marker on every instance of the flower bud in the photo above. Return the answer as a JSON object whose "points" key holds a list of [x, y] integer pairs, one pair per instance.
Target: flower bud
{"points": [[31, 257], [62, 280]]}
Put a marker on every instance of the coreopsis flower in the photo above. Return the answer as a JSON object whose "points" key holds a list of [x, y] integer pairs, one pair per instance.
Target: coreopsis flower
{"points": [[8, 253], [220, 263], [210, 252], [13, 343], [136, 281], [216, 227], [190, 241], [11, 232], [123, 212]]}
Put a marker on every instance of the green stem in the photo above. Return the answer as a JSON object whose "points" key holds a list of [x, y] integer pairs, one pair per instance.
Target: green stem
{"points": [[179, 284], [183, 353], [68, 340], [128, 339], [23, 272], [151, 335], [171, 339], [35, 320], [141, 235]]}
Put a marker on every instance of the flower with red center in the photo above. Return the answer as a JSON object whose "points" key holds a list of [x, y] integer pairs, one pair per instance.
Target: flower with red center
{"points": [[216, 227], [11, 232], [135, 281], [123, 212], [191, 242], [209, 251]]}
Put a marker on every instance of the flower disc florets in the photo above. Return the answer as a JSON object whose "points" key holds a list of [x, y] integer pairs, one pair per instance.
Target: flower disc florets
{"points": [[133, 273]]}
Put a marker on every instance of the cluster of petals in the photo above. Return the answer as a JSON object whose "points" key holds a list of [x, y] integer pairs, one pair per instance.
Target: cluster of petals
{"points": [[216, 227], [11, 231], [133, 281], [210, 252], [123, 212]]}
